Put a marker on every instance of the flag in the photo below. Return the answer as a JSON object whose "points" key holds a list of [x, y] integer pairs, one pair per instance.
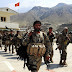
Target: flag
{"points": [[17, 4]]}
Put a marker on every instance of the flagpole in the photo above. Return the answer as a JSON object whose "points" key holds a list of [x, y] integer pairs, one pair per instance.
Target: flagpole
{"points": [[18, 9], [17, 5]]}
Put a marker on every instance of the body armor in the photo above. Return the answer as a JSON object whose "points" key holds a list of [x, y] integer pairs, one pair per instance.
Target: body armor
{"points": [[36, 49], [38, 45]]}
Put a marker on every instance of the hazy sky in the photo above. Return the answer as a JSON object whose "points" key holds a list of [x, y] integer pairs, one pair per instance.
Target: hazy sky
{"points": [[26, 5]]}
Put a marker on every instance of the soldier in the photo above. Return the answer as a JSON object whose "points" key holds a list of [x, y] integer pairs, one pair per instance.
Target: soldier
{"points": [[38, 44], [50, 34], [1, 40], [6, 40], [62, 42], [3, 37], [70, 36], [11, 35], [17, 40], [16, 34]]}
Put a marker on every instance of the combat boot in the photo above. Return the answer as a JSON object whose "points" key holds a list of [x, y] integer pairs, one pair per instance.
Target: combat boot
{"points": [[34, 71], [51, 60], [64, 63], [13, 52], [5, 50]]}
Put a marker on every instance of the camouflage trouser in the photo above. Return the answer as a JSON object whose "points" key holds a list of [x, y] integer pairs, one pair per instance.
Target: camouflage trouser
{"points": [[34, 63], [12, 48], [64, 54], [5, 48], [51, 55], [0, 43], [16, 48]]}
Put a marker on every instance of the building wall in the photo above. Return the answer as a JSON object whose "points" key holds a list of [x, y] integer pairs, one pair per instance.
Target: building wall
{"points": [[5, 14], [3, 25]]}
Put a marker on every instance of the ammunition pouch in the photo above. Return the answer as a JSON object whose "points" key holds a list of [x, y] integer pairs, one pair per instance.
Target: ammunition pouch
{"points": [[36, 49], [7, 42], [66, 42]]}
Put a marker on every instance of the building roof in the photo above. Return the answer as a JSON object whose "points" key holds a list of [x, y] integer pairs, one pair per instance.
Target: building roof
{"points": [[6, 9]]}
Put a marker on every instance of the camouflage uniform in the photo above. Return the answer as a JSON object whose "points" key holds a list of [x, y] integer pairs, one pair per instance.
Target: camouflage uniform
{"points": [[51, 37], [11, 38], [17, 40], [62, 42], [70, 36], [0, 40], [34, 62], [6, 39]]}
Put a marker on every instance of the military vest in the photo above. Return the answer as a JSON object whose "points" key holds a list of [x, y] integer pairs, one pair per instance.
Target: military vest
{"points": [[36, 46]]}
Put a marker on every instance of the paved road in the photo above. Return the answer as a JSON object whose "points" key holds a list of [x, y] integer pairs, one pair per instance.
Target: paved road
{"points": [[9, 62]]}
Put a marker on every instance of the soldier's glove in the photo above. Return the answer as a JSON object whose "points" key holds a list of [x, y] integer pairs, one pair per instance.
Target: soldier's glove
{"points": [[57, 43], [47, 59]]}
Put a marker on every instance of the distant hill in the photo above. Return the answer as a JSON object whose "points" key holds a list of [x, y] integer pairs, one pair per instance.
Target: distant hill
{"points": [[59, 14]]}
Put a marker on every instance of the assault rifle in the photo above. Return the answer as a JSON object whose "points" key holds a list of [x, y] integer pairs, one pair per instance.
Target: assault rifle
{"points": [[47, 62], [58, 47]]}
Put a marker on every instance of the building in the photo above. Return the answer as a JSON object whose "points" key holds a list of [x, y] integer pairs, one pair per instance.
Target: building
{"points": [[5, 14]]}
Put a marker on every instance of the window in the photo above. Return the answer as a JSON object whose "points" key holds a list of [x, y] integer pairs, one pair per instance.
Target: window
{"points": [[3, 19], [6, 9]]}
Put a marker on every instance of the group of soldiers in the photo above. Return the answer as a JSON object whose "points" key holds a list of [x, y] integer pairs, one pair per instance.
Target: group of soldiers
{"points": [[40, 44], [37, 44], [10, 40]]}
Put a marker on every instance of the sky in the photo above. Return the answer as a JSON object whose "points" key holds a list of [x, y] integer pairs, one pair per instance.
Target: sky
{"points": [[26, 5]]}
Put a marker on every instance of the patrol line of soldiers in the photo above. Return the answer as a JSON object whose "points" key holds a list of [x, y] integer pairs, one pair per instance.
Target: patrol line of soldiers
{"points": [[38, 44], [62, 41], [9, 39]]}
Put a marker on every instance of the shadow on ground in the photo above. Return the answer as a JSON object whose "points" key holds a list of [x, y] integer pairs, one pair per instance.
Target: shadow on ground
{"points": [[12, 58], [52, 66], [7, 55]]}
